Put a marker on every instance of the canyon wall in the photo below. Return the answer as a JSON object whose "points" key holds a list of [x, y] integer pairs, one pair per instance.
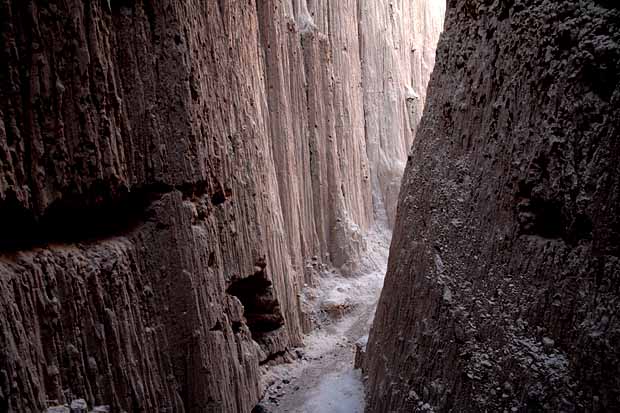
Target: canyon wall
{"points": [[144, 253], [398, 40], [502, 291], [173, 173]]}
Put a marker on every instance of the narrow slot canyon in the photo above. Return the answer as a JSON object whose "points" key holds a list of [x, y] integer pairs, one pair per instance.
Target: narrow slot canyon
{"points": [[347, 206]]}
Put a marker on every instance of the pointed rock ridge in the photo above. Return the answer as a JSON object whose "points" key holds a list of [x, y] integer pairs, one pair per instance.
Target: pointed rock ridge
{"points": [[502, 285]]}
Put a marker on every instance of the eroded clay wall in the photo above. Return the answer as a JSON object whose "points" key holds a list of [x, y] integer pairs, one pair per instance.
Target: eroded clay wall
{"points": [[502, 284]]}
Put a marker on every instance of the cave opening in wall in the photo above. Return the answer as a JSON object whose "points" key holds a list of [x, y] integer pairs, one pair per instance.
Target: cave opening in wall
{"points": [[260, 305]]}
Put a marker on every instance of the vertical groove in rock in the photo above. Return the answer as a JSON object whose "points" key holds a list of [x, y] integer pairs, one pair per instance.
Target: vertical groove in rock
{"points": [[502, 285], [397, 41]]}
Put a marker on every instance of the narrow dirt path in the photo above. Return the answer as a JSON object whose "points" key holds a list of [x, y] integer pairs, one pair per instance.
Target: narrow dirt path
{"points": [[323, 379]]}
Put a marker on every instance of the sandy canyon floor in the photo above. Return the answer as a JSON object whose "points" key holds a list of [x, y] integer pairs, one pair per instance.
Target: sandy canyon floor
{"points": [[322, 377]]}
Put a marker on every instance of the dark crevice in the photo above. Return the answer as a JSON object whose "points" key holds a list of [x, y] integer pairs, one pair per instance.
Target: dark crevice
{"points": [[117, 5], [101, 213], [602, 76], [504, 9], [548, 222], [222, 10], [218, 198], [259, 409], [220, 195], [260, 306], [216, 327], [540, 217], [549, 219], [72, 219], [581, 229], [610, 4], [211, 261], [151, 16], [236, 326]]}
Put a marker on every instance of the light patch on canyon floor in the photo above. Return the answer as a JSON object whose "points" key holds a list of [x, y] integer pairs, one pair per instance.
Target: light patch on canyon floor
{"points": [[322, 378]]}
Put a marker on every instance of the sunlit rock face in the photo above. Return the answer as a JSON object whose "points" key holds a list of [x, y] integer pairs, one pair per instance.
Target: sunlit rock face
{"points": [[172, 174], [398, 40], [502, 284], [315, 106]]}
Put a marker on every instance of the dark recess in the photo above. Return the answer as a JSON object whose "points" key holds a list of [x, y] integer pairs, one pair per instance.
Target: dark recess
{"points": [[100, 213], [261, 308], [259, 409], [75, 218], [117, 5], [218, 198], [273, 357]]}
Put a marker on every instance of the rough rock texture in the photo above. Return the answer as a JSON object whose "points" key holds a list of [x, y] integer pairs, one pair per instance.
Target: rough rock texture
{"points": [[168, 169], [137, 185], [142, 321], [502, 292]]}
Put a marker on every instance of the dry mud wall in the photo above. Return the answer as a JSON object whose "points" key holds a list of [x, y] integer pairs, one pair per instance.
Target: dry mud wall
{"points": [[502, 291]]}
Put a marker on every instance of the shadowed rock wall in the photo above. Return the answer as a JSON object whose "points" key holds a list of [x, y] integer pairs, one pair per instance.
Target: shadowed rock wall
{"points": [[502, 292]]}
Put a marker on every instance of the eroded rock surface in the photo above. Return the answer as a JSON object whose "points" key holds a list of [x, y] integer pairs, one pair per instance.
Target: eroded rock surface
{"points": [[168, 169], [502, 285], [398, 40]]}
